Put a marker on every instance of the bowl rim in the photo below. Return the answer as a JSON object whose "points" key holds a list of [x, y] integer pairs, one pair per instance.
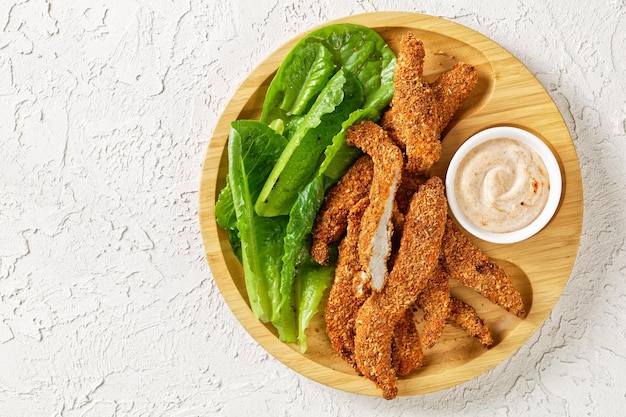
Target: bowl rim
{"points": [[554, 175]]}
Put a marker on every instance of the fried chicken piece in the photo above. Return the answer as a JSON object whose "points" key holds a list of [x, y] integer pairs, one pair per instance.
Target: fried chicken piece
{"points": [[472, 268], [407, 354], [464, 316], [451, 88], [435, 300], [410, 61], [418, 253], [376, 224], [412, 120], [419, 111], [332, 218], [343, 306]]}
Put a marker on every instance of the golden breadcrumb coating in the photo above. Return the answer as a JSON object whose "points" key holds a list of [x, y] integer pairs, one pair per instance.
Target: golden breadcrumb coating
{"points": [[451, 88], [434, 300], [376, 223], [343, 305], [464, 316], [332, 218], [407, 354], [419, 111], [472, 268], [412, 120], [418, 253], [394, 218]]}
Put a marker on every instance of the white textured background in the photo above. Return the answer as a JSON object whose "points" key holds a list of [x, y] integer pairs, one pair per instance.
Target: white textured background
{"points": [[107, 305]]}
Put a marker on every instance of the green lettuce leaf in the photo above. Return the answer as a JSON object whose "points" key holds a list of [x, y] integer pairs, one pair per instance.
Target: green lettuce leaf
{"points": [[361, 50], [227, 219], [281, 166], [253, 148], [299, 161], [313, 280], [297, 235], [302, 76], [338, 158]]}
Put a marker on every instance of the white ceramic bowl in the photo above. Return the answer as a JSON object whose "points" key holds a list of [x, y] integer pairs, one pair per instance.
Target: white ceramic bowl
{"points": [[554, 177]]}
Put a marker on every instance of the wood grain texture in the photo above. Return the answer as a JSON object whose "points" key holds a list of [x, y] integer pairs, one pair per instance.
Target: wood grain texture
{"points": [[507, 94]]}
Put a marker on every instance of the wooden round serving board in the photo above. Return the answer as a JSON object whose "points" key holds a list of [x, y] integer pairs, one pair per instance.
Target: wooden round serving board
{"points": [[506, 94]]}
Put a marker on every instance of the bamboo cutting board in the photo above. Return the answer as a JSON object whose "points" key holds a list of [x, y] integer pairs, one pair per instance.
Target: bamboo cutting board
{"points": [[506, 94]]}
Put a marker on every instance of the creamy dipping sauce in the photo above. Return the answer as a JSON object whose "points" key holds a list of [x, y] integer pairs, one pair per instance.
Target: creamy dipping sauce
{"points": [[502, 185]]}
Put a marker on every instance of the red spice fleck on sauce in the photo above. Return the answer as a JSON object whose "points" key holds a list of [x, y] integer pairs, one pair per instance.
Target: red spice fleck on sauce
{"points": [[535, 185]]}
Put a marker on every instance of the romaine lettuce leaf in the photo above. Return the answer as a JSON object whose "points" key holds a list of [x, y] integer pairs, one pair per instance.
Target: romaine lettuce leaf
{"points": [[359, 49], [300, 159], [295, 250], [365, 53], [339, 156], [303, 75], [253, 148], [226, 218], [296, 244], [312, 282]]}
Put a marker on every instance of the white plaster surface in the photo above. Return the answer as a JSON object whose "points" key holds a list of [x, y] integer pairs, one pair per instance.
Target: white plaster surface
{"points": [[107, 304]]}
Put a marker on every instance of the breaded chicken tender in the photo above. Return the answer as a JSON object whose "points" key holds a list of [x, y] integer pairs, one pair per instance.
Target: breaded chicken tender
{"points": [[408, 186], [435, 300], [343, 306], [472, 268], [376, 224], [451, 88], [412, 120], [464, 316], [407, 354], [417, 258], [399, 248], [332, 218], [419, 112]]}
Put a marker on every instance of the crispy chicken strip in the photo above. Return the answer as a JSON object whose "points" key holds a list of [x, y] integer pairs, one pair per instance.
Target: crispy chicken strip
{"points": [[449, 91], [332, 218], [420, 246], [472, 268], [407, 349], [434, 300], [410, 62], [412, 120], [343, 306], [451, 88], [419, 112], [376, 225], [464, 316]]}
